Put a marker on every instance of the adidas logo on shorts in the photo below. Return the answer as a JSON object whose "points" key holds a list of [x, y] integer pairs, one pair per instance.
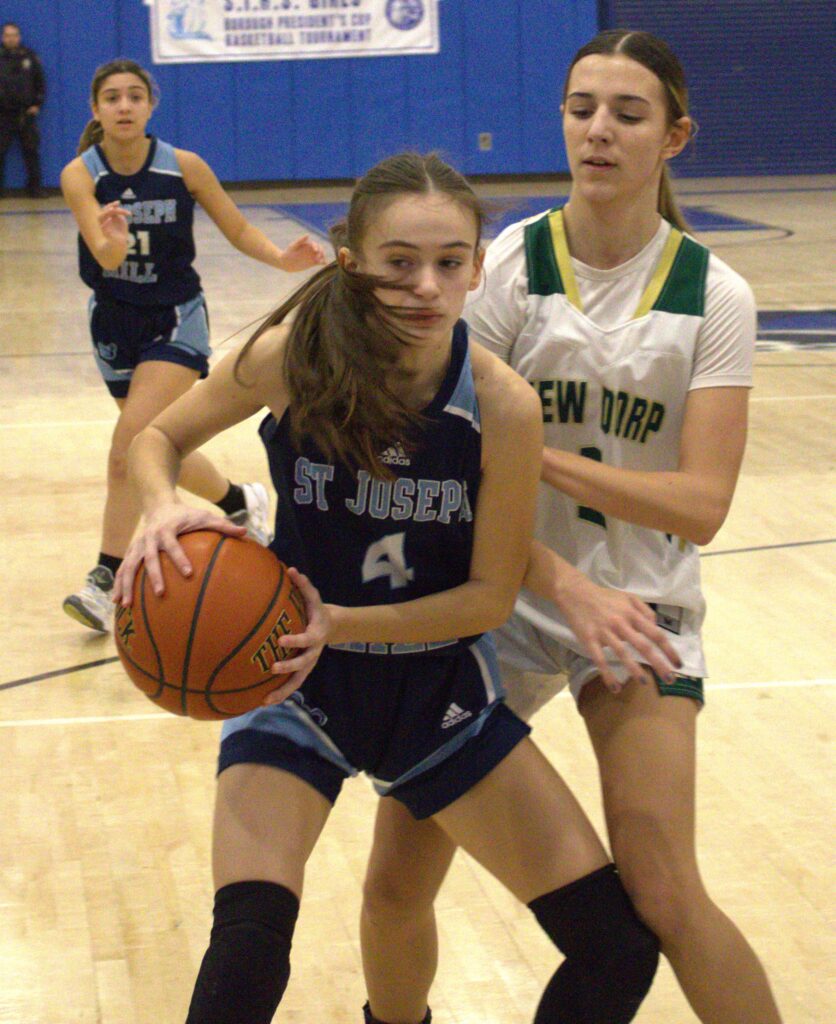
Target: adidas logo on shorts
{"points": [[453, 715], [395, 456]]}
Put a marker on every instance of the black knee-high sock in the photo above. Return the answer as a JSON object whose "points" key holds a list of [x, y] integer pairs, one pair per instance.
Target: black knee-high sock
{"points": [[369, 1019], [246, 968], [611, 957]]}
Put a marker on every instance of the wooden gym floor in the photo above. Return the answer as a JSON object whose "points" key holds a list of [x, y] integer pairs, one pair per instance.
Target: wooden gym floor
{"points": [[104, 850]]}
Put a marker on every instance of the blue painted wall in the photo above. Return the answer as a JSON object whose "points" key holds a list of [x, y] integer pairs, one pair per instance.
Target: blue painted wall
{"points": [[500, 70], [761, 78]]}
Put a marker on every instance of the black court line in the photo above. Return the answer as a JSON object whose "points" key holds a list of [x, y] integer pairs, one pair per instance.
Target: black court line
{"points": [[768, 547], [109, 661], [57, 672]]}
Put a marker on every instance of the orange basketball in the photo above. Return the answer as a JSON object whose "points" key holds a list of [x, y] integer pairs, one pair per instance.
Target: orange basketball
{"points": [[205, 647]]}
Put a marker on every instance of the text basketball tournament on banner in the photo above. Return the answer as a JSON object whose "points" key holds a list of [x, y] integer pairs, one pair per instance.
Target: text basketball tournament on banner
{"points": [[223, 30]]}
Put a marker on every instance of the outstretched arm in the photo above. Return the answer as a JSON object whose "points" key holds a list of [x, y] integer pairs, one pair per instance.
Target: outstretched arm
{"points": [[201, 181], [157, 452]]}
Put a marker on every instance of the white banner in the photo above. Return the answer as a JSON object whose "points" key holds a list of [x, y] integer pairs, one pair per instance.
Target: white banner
{"points": [[211, 30]]}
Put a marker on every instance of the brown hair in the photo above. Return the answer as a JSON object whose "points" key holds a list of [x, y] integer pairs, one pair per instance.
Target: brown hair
{"points": [[93, 133], [339, 348], [657, 57]]}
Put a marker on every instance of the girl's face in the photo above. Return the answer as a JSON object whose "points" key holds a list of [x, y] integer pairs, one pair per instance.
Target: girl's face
{"points": [[123, 106], [615, 124], [428, 244]]}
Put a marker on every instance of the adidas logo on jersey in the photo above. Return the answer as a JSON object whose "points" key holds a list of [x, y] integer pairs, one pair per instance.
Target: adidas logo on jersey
{"points": [[128, 194], [453, 715], [395, 456]]}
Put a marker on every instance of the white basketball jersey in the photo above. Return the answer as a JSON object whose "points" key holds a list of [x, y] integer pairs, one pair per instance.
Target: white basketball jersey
{"points": [[614, 393]]}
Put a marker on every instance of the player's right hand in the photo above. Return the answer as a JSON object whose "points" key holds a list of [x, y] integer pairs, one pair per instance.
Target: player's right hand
{"points": [[160, 534]]}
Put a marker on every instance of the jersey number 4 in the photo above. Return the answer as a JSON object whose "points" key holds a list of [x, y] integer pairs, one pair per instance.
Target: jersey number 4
{"points": [[385, 557]]}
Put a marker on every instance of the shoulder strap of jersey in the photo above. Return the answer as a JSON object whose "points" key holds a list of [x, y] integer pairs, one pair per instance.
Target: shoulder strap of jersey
{"points": [[164, 160], [541, 254], [682, 290], [94, 163]]}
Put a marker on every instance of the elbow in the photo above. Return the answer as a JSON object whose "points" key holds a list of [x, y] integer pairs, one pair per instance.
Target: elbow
{"points": [[704, 529]]}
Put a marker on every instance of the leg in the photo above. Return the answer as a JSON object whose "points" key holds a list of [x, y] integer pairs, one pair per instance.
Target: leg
{"points": [[522, 823], [7, 132], [30, 141], [267, 822], [641, 738], [154, 386], [407, 865]]}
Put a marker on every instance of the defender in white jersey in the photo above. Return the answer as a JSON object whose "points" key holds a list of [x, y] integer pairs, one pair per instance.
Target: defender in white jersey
{"points": [[613, 354], [639, 344]]}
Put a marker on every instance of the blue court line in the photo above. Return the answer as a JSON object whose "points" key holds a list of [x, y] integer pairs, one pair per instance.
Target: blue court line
{"points": [[320, 216]]}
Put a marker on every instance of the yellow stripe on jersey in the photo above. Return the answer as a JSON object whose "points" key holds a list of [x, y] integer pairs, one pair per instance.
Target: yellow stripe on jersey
{"points": [[660, 274], [567, 274], [564, 260]]}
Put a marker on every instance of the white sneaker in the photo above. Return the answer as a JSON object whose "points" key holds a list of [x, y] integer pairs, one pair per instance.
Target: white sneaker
{"points": [[92, 606], [256, 517]]}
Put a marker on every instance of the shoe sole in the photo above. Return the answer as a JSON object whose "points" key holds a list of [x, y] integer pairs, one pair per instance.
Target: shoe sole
{"points": [[76, 610]]}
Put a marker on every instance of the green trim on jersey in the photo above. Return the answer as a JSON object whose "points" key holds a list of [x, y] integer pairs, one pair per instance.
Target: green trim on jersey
{"points": [[677, 286], [541, 262], [684, 290], [682, 686]]}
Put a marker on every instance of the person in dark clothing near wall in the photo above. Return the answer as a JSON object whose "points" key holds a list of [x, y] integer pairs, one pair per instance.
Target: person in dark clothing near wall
{"points": [[22, 90]]}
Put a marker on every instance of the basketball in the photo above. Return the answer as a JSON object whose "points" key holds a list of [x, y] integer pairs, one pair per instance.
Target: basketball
{"points": [[204, 648]]}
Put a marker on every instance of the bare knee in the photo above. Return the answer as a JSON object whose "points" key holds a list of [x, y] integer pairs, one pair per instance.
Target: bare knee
{"points": [[668, 896], [117, 459], [393, 893]]}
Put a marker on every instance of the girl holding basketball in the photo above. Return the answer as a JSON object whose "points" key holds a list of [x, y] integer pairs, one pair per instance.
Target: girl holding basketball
{"points": [[393, 443], [133, 199], [640, 344]]}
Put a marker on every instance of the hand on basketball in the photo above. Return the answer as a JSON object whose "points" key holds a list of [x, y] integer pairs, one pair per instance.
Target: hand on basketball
{"points": [[160, 534], [603, 618], [301, 254], [308, 645]]}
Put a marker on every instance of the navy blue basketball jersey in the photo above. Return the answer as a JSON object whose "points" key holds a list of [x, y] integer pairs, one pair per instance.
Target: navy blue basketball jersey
{"points": [[158, 267], [367, 541]]}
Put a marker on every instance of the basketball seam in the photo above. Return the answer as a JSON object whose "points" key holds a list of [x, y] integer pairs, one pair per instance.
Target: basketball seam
{"points": [[193, 625], [245, 640], [149, 633]]}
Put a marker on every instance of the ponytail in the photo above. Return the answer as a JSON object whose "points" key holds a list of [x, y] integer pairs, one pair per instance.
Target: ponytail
{"points": [[667, 204], [91, 136], [336, 359], [342, 355]]}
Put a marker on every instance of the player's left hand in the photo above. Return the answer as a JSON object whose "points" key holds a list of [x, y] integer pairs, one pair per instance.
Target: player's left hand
{"points": [[307, 646], [301, 254]]}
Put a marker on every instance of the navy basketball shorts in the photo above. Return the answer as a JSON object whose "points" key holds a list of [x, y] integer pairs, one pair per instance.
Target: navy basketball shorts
{"points": [[424, 727], [125, 335]]}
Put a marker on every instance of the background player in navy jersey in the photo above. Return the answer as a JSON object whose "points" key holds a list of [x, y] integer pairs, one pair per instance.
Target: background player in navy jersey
{"points": [[133, 198], [646, 340], [395, 446]]}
